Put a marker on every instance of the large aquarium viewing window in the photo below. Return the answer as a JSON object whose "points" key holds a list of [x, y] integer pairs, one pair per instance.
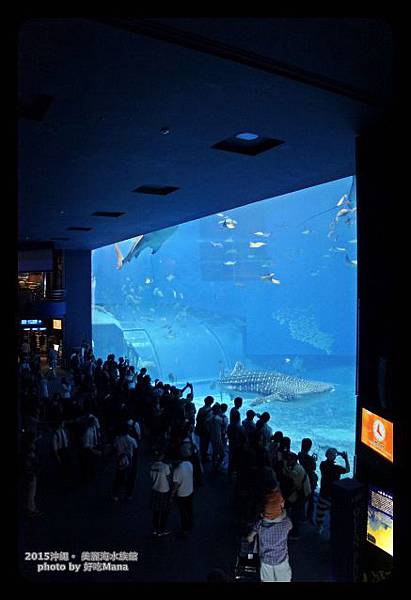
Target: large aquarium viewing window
{"points": [[258, 301]]}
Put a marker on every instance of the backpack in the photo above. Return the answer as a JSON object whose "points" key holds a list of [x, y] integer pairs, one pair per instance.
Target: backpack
{"points": [[123, 461], [305, 489]]}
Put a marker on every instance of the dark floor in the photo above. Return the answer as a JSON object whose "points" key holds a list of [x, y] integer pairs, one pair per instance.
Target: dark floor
{"points": [[86, 519]]}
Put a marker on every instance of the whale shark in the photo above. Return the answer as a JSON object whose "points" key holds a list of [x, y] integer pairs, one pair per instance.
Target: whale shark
{"points": [[152, 240], [270, 385]]}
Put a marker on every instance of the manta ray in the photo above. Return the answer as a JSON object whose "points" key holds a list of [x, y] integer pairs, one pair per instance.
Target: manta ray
{"points": [[271, 385], [152, 240]]}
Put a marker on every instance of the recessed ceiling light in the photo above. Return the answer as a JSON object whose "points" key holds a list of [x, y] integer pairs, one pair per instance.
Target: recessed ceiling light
{"points": [[247, 143], [247, 136]]}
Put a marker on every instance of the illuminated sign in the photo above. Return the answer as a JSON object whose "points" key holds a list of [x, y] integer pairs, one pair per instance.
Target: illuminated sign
{"points": [[56, 323], [380, 519], [377, 433], [31, 322]]}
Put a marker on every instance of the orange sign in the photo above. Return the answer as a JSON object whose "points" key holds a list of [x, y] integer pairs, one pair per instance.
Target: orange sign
{"points": [[377, 433], [56, 323]]}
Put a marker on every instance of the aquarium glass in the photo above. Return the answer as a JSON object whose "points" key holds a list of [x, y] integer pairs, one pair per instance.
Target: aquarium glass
{"points": [[271, 285]]}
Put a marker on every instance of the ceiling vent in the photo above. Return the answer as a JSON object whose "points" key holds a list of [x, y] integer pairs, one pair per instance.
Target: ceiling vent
{"points": [[34, 107], [79, 228], [159, 190], [104, 213], [246, 143]]}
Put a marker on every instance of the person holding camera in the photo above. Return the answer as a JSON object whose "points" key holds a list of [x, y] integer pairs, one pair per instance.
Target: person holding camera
{"points": [[330, 472]]}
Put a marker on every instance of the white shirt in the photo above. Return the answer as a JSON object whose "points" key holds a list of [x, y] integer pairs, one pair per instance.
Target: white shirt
{"points": [[89, 438], [125, 444], [159, 474], [60, 439], [297, 474], [183, 477]]}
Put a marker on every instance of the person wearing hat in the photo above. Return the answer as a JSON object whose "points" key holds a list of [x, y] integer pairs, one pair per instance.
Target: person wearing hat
{"points": [[160, 474], [330, 472]]}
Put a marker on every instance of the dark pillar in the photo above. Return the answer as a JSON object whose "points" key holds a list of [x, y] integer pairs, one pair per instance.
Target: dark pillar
{"points": [[379, 317], [77, 272], [376, 209], [347, 530]]}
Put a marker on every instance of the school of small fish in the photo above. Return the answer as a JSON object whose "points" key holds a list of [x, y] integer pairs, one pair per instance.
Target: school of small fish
{"points": [[344, 213]]}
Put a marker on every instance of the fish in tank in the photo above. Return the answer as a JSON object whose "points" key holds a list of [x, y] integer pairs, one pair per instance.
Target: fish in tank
{"points": [[257, 301]]}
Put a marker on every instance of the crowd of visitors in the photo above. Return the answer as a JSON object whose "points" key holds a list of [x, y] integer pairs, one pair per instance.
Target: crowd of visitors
{"points": [[108, 408]]}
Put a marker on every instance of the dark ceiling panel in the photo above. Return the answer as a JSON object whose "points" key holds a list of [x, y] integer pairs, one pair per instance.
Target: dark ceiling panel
{"points": [[158, 190], [114, 93], [102, 213], [79, 228], [163, 30], [250, 148]]}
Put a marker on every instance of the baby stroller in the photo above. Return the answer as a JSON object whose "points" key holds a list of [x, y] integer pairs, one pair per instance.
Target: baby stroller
{"points": [[248, 561]]}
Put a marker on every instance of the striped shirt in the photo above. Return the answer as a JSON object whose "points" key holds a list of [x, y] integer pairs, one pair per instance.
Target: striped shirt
{"points": [[272, 540]]}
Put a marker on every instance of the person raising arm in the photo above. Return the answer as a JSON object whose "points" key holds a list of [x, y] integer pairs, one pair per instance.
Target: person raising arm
{"points": [[344, 455]]}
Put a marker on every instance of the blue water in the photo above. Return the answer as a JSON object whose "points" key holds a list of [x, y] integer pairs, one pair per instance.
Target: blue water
{"points": [[328, 419], [207, 299]]}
